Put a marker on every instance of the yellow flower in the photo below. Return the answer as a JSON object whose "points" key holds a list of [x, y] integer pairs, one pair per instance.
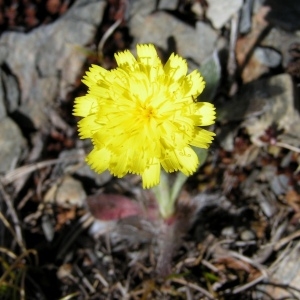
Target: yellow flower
{"points": [[144, 115]]}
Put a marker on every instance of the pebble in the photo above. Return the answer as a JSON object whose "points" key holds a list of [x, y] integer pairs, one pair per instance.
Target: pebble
{"points": [[66, 193], [268, 56], [228, 232], [247, 235]]}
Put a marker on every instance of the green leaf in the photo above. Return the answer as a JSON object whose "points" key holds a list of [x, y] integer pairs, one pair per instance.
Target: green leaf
{"points": [[211, 72]]}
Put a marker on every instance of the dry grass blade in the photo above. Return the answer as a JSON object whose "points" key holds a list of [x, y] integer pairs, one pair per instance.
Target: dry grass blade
{"points": [[258, 266], [71, 296], [8, 253], [16, 264], [17, 233], [106, 35], [286, 240], [24, 170]]}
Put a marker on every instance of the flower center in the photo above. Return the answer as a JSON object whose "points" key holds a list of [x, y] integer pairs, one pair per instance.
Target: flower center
{"points": [[146, 113]]}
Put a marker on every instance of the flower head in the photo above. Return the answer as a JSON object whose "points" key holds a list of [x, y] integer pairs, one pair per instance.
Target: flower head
{"points": [[143, 115]]}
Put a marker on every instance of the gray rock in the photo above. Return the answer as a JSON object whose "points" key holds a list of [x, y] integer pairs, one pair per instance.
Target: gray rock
{"points": [[219, 12], [167, 4], [285, 271], [12, 145], [278, 94], [246, 17], [36, 108], [3, 53], [3, 112], [268, 57], [257, 5], [281, 41], [171, 34], [137, 12], [48, 60], [12, 92]]}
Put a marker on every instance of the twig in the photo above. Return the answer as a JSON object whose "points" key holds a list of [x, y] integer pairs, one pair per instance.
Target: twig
{"points": [[286, 240], [287, 146], [84, 279], [193, 286], [248, 285], [254, 264], [24, 170]]}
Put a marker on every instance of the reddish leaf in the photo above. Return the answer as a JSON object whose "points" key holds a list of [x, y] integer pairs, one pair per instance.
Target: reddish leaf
{"points": [[113, 207]]}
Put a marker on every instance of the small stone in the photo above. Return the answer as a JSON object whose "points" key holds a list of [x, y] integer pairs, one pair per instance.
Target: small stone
{"points": [[279, 184], [228, 232], [247, 235], [66, 193], [267, 56]]}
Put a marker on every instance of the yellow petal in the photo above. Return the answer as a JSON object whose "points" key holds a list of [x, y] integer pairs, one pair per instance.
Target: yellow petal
{"points": [[193, 84], [207, 113], [88, 126], [138, 162], [119, 164], [147, 54], [126, 59], [188, 160], [149, 63], [151, 174], [94, 75], [99, 159], [170, 162], [85, 105], [176, 67], [202, 138]]}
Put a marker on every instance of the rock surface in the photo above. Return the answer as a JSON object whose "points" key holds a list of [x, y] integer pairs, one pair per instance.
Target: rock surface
{"points": [[171, 34], [220, 11], [43, 60], [12, 145]]}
